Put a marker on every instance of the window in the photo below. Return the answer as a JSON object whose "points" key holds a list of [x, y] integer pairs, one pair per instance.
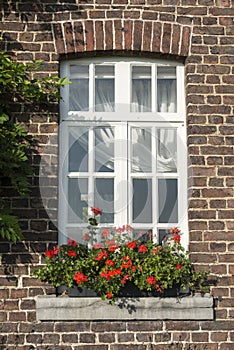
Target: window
{"points": [[123, 145]]}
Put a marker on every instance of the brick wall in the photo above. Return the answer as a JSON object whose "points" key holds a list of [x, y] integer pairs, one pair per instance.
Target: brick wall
{"points": [[202, 33]]}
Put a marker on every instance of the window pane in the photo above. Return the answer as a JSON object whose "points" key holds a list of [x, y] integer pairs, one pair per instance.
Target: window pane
{"points": [[142, 201], [78, 150], [141, 89], [77, 199], [167, 200], [104, 89], [141, 150], [166, 89], [79, 89], [104, 149], [104, 199], [167, 150]]}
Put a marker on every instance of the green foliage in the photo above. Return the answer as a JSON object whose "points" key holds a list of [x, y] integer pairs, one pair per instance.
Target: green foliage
{"points": [[149, 266], [19, 86], [9, 228]]}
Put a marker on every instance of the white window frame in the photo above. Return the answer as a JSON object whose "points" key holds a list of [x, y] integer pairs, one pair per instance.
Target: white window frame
{"points": [[122, 116]]}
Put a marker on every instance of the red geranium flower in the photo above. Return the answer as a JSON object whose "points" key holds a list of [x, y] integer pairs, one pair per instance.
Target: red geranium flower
{"points": [[132, 245], [71, 253], [113, 247], [110, 263], [79, 277], [96, 210], [101, 255], [105, 233], [151, 280], [98, 245], [86, 236], [49, 253], [176, 238], [142, 248], [178, 266], [109, 295], [72, 243], [52, 252], [125, 278], [127, 262]]}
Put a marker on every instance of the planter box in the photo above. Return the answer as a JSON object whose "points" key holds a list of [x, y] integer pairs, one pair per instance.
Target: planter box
{"points": [[195, 307]]}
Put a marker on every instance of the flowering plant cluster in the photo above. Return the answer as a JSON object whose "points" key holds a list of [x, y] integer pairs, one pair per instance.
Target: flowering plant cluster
{"points": [[115, 260]]}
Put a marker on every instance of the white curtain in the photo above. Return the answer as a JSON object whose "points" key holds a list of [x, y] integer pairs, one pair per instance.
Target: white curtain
{"points": [[167, 150], [141, 95], [104, 95], [142, 150], [166, 96]]}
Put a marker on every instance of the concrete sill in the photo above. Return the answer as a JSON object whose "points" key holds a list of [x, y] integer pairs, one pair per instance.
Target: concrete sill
{"points": [[195, 307]]}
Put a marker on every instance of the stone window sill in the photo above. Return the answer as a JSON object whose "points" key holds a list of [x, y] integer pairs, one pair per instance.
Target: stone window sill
{"points": [[195, 307]]}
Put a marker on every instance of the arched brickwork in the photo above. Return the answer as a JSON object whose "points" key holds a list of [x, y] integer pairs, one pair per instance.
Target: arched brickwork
{"points": [[129, 35]]}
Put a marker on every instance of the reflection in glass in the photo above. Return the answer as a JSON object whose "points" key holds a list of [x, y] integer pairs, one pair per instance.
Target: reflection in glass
{"points": [[79, 89], [77, 199], [142, 201], [167, 150], [166, 89], [104, 149], [104, 198], [141, 89], [78, 150], [141, 150], [168, 200], [104, 88]]}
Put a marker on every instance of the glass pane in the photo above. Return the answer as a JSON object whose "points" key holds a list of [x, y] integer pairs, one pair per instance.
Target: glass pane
{"points": [[77, 199], [161, 234], [167, 150], [104, 89], [104, 199], [141, 150], [142, 201], [141, 89], [79, 89], [104, 149], [166, 89], [78, 150], [168, 200], [143, 235]]}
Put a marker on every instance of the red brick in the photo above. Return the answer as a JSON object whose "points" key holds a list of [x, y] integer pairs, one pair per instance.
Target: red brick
{"points": [[137, 35], [59, 40], [99, 35], [128, 27], [108, 35], [118, 35], [147, 35], [166, 38], [89, 35], [156, 44], [78, 37]]}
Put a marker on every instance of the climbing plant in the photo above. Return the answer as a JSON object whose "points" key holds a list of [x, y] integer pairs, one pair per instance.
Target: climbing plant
{"points": [[18, 87]]}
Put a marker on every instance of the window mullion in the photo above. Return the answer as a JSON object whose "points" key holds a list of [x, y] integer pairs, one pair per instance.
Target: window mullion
{"points": [[91, 87], [91, 167]]}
